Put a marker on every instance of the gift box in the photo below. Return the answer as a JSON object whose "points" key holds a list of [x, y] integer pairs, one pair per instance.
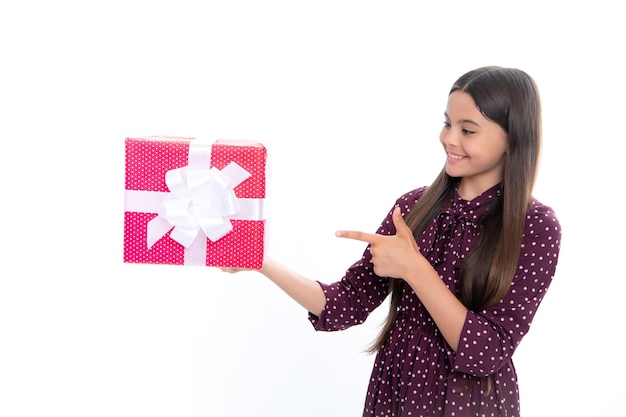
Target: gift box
{"points": [[189, 201]]}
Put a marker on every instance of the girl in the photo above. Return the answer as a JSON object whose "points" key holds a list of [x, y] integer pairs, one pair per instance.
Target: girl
{"points": [[466, 262]]}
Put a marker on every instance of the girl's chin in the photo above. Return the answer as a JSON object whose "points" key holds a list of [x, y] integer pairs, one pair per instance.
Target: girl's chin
{"points": [[451, 171]]}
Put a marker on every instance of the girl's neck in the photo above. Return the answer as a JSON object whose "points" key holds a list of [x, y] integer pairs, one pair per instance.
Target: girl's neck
{"points": [[469, 190]]}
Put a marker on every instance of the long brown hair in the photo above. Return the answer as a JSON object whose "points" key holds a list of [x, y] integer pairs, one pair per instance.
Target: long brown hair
{"points": [[508, 97]]}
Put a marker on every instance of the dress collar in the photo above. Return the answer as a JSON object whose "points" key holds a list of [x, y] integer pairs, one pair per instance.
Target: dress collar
{"points": [[477, 207]]}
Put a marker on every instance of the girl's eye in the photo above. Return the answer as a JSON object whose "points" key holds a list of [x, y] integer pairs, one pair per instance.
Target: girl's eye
{"points": [[446, 124], [467, 132]]}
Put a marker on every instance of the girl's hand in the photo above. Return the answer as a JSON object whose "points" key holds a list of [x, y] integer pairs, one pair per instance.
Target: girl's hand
{"points": [[393, 256]]}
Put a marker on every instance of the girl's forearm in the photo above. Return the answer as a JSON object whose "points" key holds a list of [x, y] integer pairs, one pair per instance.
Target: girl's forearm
{"points": [[446, 310], [304, 291]]}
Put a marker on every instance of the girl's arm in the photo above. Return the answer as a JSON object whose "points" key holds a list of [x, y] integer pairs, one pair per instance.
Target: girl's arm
{"points": [[446, 310], [304, 291]]}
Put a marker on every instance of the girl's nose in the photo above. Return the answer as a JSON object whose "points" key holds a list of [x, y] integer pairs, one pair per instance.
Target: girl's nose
{"points": [[449, 137]]}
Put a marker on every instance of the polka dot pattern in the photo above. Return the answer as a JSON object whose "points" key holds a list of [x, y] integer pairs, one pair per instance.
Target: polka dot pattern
{"points": [[241, 248], [252, 156], [416, 373], [164, 251], [147, 161]]}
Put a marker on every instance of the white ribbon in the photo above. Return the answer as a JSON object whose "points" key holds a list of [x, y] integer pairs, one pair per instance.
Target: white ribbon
{"points": [[200, 199]]}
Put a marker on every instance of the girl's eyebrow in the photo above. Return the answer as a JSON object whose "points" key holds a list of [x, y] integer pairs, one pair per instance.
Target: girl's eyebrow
{"points": [[463, 120]]}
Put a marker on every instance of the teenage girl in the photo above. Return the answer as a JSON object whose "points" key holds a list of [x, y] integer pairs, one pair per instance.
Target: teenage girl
{"points": [[466, 262]]}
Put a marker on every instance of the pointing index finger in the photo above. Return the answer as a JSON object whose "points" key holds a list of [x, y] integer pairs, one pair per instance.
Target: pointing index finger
{"points": [[356, 235]]}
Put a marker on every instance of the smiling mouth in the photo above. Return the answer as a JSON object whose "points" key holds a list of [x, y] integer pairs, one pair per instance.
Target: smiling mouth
{"points": [[455, 157]]}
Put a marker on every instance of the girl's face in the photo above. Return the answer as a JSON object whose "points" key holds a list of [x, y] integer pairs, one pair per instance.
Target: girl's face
{"points": [[474, 145]]}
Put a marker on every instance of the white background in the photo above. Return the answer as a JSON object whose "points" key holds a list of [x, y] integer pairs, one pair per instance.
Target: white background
{"points": [[348, 97]]}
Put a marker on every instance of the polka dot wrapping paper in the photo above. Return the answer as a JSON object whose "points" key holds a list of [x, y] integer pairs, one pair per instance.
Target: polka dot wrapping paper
{"points": [[150, 160]]}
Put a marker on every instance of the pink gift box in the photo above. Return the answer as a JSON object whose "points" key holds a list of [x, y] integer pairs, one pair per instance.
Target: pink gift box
{"points": [[192, 202]]}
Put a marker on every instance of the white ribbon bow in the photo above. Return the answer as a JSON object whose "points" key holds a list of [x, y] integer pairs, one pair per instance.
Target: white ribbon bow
{"points": [[200, 199]]}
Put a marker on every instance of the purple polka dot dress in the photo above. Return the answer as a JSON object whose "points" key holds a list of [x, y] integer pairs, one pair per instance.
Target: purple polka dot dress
{"points": [[416, 373]]}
